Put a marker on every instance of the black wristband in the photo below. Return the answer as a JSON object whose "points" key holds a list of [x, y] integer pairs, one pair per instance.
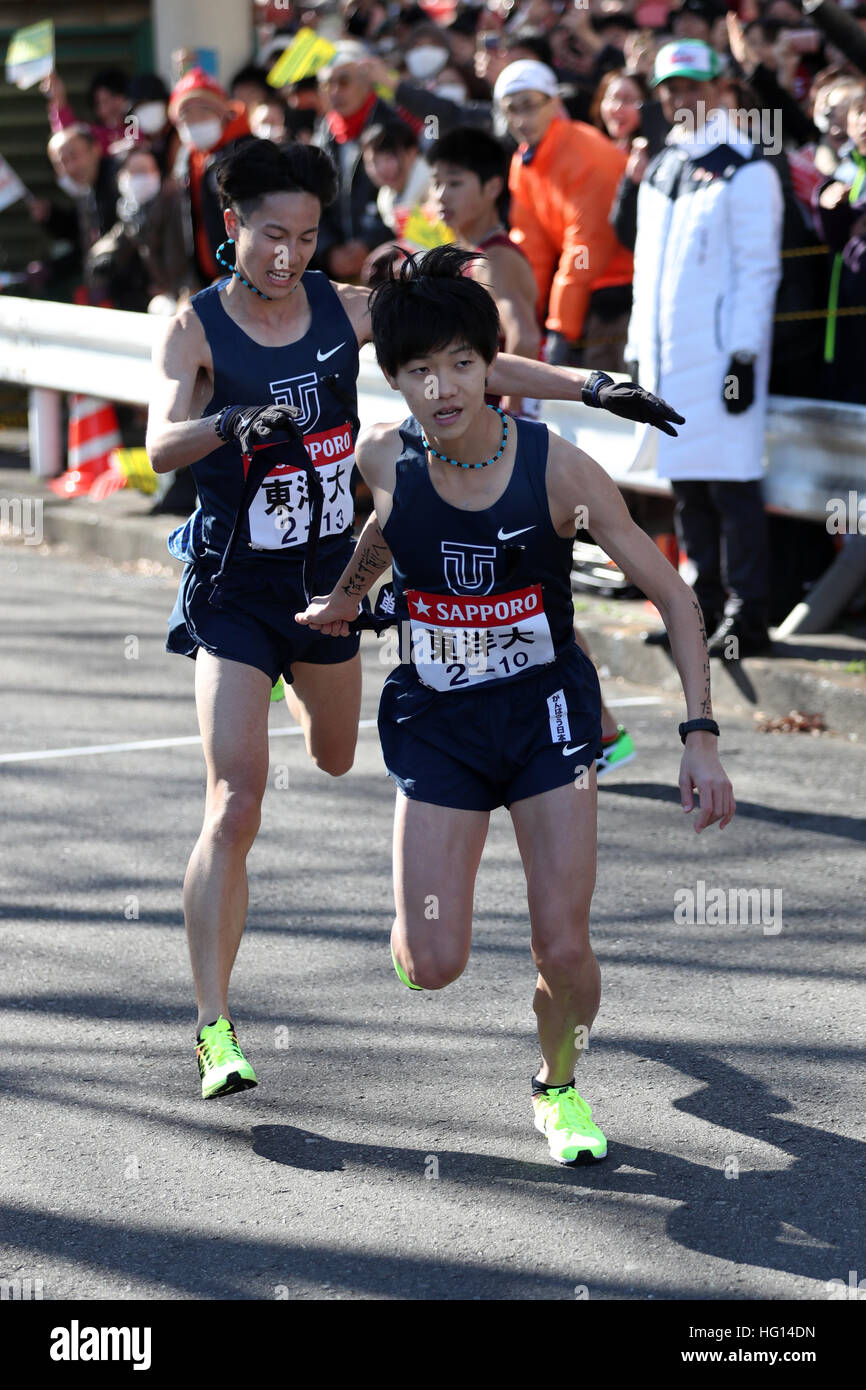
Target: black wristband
{"points": [[692, 726], [220, 422], [592, 386]]}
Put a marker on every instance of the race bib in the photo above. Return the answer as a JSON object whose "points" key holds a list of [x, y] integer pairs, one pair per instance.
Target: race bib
{"points": [[280, 511], [459, 642]]}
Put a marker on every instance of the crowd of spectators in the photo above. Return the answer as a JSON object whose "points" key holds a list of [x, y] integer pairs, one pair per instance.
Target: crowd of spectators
{"points": [[569, 92]]}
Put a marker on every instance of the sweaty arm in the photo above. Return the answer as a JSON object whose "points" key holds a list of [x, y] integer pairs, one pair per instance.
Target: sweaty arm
{"points": [[575, 480], [175, 438]]}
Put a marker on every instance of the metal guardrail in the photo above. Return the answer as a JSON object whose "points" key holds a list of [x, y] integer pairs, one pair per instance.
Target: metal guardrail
{"points": [[815, 450]]}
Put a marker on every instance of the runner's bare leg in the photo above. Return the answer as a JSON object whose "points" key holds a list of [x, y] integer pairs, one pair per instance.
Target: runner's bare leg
{"points": [[232, 701], [326, 701], [437, 850], [556, 833]]}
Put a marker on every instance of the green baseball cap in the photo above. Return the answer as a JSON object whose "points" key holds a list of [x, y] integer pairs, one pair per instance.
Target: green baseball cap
{"points": [[686, 58]]}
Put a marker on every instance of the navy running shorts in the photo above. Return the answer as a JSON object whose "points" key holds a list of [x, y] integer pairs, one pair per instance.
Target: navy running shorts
{"points": [[478, 749], [255, 620]]}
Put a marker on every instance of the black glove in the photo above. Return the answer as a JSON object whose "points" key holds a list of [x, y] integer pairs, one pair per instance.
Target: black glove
{"points": [[630, 401], [376, 620], [255, 424], [738, 391]]}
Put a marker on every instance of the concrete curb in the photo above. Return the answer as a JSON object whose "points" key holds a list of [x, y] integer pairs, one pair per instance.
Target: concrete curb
{"points": [[806, 674]]}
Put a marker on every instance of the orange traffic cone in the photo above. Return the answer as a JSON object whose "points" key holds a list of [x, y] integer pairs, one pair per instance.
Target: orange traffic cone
{"points": [[93, 433]]}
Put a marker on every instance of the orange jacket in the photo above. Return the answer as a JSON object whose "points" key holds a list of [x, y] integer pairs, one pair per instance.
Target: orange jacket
{"points": [[560, 205]]}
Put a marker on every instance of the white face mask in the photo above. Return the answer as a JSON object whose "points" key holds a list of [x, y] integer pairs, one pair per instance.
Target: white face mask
{"points": [[451, 91], [138, 189], [269, 132], [201, 135], [426, 60], [151, 116], [70, 187]]}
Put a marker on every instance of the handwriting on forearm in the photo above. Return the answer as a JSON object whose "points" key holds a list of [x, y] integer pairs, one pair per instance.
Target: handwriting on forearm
{"points": [[706, 702], [370, 559]]}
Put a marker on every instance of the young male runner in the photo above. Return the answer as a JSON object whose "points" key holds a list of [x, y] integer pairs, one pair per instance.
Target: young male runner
{"points": [[493, 702], [270, 351], [470, 176]]}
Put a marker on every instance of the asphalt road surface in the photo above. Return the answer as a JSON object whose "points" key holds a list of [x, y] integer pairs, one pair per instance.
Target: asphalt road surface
{"points": [[389, 1152]]}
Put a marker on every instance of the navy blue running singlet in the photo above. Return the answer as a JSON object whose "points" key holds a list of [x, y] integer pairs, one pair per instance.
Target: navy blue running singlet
{"points": [[246, 373], [481, 596]]}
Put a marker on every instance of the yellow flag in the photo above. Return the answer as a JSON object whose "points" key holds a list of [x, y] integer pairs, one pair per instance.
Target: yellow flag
{"points": [[135, 467], [419, 229], [304, 56], [30, 55]]}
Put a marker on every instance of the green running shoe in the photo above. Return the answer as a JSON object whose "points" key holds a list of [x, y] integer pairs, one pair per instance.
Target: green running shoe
{"points": [[223, 1067], [278, 691], [566, 1119], [616, 753], [401, 974]]}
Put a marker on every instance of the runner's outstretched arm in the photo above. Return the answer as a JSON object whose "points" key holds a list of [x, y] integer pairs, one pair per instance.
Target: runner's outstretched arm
{"points": [[575, 480], [519, 376]]}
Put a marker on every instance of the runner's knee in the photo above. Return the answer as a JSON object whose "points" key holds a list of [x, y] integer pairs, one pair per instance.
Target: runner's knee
{"points": [[234, 814], [434, 964], [435, 972], [336, 762], [563, 960]]}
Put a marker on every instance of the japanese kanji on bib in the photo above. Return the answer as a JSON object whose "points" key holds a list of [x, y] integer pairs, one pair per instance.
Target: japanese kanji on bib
{"points": [[318, 375], [480, 596]]}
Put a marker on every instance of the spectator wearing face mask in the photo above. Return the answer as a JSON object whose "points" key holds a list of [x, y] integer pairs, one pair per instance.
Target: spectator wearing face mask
{"points": [[108, 97], [87, 176], [142, 258], [250, 87], [148, 121], [209, 125], [268, 120]]}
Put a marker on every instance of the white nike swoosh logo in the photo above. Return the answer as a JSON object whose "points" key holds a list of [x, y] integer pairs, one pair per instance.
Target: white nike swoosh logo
{"points": [[506, 535], [567, 749], [323, 356]]}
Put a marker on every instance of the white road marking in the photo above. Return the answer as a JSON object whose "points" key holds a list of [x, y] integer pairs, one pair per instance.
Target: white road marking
{"points": [[190, 739], [186, 741]]}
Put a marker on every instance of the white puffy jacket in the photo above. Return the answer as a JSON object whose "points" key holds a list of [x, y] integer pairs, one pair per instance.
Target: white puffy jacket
{"points": [[707, 267]]}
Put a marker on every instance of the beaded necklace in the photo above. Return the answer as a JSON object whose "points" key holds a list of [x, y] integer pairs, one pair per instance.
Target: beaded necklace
{"points": [[487, 462], [244, 281]]}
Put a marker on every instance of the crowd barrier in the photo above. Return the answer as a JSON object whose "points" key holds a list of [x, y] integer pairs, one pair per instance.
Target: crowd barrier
{"points": [[815, 451]]}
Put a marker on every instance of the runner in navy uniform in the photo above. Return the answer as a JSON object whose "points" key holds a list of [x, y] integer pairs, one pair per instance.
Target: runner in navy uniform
{"points": [[253, 360], [493, 702]]}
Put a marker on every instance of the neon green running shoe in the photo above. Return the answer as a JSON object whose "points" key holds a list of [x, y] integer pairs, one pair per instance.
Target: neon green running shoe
{"points": [[278, 691], [615, 753], [401, 974], [223, 1067], [566, 1119]]}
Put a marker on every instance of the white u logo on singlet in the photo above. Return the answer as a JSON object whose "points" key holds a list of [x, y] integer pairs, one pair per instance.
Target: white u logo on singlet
{"points": [[302, 392], [468, 569]]}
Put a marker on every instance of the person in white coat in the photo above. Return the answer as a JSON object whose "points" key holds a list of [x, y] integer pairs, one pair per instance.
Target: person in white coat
{"points": [[707, 267]]}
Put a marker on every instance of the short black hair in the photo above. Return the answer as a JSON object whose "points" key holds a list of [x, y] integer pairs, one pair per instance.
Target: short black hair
{"points": [[388, 137], [534, 41], [113, 80], [250, 74], [427, 302], [255, 168], [467, 147]]}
